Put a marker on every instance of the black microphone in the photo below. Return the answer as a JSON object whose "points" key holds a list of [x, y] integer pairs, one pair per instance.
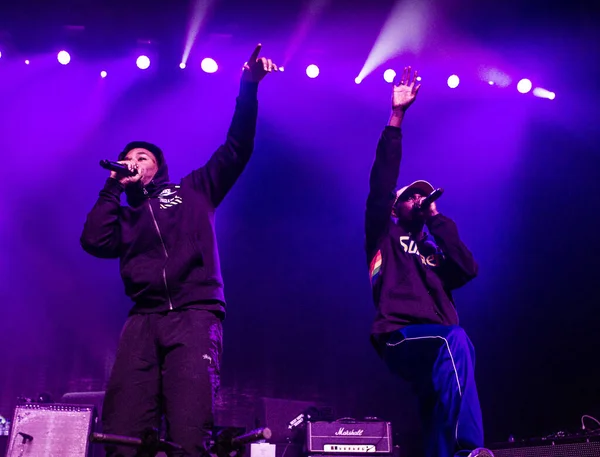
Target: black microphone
{"points": [[252, 436], [118, 167], [433, 196]]}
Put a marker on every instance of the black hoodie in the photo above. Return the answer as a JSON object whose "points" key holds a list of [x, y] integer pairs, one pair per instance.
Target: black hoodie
{"points": [[165, 237], [412, 277]]}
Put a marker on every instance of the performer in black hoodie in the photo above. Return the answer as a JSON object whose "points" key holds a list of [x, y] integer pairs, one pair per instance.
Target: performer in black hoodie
{"points": [[169, 351], [412, 274]]}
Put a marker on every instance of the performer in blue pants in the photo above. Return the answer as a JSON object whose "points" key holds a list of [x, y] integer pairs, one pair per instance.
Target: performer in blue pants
{"points": [[413, 272]]}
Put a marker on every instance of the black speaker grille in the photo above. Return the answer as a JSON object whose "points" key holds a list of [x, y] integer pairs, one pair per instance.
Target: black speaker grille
{"points": [[591, 449]]}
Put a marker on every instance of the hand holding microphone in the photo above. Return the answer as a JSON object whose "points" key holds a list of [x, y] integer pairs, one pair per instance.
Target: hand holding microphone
{"points": [[426, 206], [125, 171]]}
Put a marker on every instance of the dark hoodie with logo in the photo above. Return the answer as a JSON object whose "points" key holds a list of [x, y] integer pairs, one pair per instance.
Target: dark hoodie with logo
{"points": [[165, 236], [411, 275]]}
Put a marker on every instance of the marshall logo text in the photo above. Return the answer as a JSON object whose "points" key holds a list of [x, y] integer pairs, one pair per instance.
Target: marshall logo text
{"points": [[343, 432]]}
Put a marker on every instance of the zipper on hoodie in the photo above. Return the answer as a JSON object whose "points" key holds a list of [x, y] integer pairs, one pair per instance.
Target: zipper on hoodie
{"points": [[164, 272]]}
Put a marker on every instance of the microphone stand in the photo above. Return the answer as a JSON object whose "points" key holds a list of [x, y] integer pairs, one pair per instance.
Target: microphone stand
{"points": [[148, 446], [227, 444]]}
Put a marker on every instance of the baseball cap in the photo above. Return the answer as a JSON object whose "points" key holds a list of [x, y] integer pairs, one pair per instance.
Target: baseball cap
{"points": [[423, 187]]}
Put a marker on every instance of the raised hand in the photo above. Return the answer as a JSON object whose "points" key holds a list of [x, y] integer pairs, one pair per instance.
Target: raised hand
{"points": [[256, 69], [405, 91]]}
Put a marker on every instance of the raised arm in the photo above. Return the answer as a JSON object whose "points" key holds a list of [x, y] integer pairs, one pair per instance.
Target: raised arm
{"points": [[382, 180], [386, 167], [101, 234], [219, 174]]}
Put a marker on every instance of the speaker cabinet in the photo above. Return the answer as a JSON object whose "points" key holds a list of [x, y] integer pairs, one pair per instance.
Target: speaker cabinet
{"points": [[587, 448], [50, 430]]}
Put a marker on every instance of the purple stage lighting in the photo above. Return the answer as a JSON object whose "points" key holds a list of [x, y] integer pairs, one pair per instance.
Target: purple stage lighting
{"points": [[142, 62], [103, 74], [543, 93], [209, 65], [312, 71], [182, 65], [453, 81], [63, 57], [389, 75], [524, 86]]}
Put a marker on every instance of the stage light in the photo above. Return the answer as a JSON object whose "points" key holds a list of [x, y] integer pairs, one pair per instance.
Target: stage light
{"points": [[103, 74], [63, 57], [524, 86], [453, 81], [312, 71], [142, 62], [543, 93], [357, 80], [0, 54], [281, 69], [209, 65], [389, 75], [182, 65], [494, 76], [27, 62]]}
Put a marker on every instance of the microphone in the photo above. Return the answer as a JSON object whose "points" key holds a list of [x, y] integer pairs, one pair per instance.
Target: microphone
{"points": [[150, 441], [118, 167], [433, 196], [253, 436]]}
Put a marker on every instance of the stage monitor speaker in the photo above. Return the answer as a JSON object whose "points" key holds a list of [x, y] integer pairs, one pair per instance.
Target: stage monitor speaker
{"points": [[50, 430], [552, 449], [87, 398]]}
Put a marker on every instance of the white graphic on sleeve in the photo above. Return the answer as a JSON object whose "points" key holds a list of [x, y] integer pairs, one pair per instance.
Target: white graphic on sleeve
{"points": [[432, 260]]}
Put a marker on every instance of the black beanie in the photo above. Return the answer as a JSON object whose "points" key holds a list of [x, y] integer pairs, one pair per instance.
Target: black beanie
{"points": [[145, 145]]}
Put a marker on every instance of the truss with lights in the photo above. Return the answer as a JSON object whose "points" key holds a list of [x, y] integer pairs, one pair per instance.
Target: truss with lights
{"points": [[209, 65]]}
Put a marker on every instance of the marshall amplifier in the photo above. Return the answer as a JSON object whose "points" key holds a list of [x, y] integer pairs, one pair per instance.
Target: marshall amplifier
{"points": [[349, 437]]}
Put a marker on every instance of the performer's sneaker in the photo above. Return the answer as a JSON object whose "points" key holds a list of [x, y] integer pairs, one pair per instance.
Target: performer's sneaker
{"points": [[481, 452]]}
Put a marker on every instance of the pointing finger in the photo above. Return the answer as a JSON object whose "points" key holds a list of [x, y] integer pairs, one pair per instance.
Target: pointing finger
{"points": [[255, 54]]}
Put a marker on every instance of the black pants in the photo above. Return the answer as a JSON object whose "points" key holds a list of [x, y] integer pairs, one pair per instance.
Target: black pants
{"points": [[166, 363]]}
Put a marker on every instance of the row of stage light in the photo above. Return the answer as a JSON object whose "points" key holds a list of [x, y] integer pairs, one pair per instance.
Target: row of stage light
{"points": [[209, 65]]}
